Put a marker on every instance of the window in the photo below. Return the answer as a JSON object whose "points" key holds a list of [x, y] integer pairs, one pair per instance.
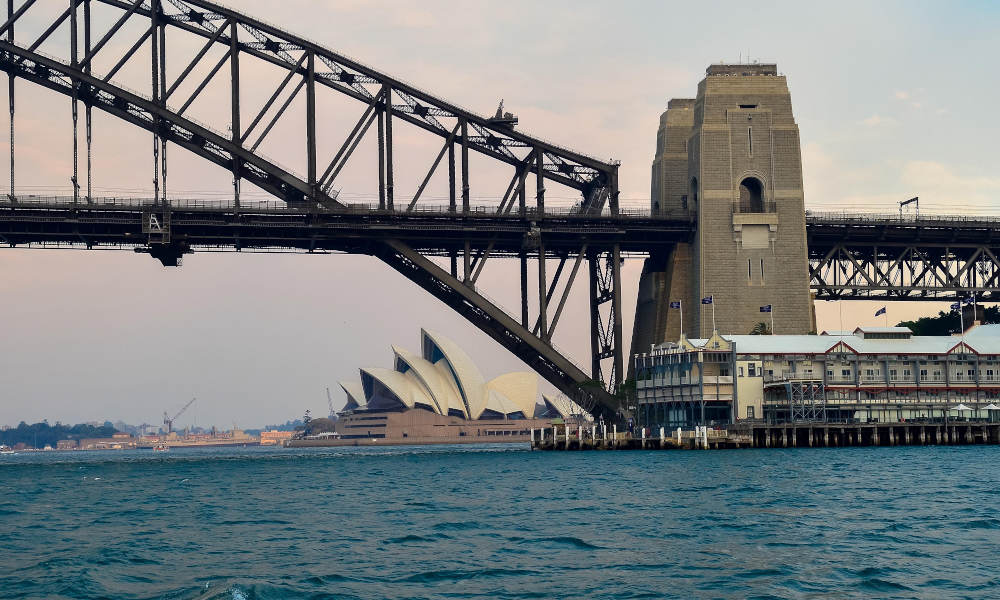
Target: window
{"points": [[829, 373], [906, 373], [749, 273], [762, 271], [741, 371], [751, 196], [750, 140], [752, 370], [845, 372], [923, 373], [892, 374], [750, 412]]}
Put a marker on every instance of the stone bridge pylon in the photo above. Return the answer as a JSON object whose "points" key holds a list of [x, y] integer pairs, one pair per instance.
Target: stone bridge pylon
{"points": [[731, 156]]}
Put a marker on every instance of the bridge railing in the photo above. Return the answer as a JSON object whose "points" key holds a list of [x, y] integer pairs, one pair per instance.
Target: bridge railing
{"points": [[62, 202], [878, 218]]}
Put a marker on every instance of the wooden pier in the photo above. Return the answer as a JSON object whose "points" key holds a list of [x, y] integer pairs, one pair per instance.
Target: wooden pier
{"points": [[787, 435]]}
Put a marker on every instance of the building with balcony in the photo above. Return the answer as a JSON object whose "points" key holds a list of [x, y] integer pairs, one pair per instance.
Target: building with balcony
{"points": [[872, 374]]}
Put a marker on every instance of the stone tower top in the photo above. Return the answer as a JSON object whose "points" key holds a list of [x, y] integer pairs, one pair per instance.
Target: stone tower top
{"points": [[744, 70]]}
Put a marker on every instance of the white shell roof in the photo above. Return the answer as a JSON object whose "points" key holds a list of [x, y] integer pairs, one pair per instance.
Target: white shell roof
{"points": [[429, 376], [564, 406], [404, 388], [521, 388], [443, 380], [471, 384], [499, 403], [355, 394]]}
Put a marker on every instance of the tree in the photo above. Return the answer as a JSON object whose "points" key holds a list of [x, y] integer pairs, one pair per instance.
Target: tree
{"points": [[761, 328], [319, 425], [946, 323]]}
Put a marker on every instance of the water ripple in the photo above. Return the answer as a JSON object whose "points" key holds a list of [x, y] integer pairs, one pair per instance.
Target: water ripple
{"points": [[500, 522]]}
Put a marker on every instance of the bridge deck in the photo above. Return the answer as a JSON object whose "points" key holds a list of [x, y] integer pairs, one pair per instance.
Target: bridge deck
{"points": [[272, 225], [125, 223]]}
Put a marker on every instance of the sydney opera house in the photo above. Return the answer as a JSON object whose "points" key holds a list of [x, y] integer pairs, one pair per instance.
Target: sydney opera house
{"points": [[440, 396]]}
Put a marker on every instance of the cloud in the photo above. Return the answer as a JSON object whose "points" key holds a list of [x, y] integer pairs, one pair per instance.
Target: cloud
{"points": [[944, 188], [878, 121]]}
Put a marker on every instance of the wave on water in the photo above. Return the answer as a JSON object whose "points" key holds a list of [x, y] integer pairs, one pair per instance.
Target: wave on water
{"points": [[465, 575], [485, 522], [567, 541]]}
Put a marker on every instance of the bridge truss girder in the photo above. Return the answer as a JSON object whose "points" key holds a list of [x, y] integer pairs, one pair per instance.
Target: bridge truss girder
{"points": [[916, 271], [311, 68]]}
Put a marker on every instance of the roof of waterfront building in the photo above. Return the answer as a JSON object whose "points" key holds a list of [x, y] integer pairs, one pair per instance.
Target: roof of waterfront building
{"points": [[981, 339], [443, 379]]}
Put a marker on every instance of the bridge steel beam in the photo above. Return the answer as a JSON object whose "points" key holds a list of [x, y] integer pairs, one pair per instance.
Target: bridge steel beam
{"points": [[168, 233], [887, 257]]}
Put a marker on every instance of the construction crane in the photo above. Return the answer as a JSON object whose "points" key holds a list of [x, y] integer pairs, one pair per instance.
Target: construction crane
{"points": [[329, 400], [169, 422]]}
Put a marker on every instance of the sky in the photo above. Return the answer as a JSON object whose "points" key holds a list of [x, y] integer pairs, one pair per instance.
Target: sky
{"points": [[893, 100]]}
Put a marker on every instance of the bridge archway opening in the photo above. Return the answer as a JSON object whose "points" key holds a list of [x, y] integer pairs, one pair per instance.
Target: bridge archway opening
{"points": [[751, 196]]}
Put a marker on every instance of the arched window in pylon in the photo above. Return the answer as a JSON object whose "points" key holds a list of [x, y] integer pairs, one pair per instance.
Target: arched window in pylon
{"points": [[751, 195]]}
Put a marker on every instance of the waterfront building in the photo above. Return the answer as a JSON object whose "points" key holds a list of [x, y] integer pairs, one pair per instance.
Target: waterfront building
{"points": [[116, 442], [440, 395], [274, 437], [872, 374]]}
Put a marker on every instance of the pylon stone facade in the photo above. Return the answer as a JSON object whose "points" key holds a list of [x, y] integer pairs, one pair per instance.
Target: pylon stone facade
{"points": [[732, 157]]}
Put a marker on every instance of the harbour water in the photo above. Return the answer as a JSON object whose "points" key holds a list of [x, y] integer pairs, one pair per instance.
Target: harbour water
{"points": [[501, 522]]}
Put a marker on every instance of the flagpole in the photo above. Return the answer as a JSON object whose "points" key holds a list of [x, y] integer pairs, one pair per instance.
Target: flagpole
{"points": [[772, 319], [682, 319], [714, 328], [961, 318]]}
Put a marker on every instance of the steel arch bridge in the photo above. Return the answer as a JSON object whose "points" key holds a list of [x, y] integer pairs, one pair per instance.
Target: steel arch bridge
{"points": [[229, 42], [82, 48]]}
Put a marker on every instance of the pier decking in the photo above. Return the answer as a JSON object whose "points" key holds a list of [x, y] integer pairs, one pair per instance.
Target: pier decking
{"points": [[787, 435]]}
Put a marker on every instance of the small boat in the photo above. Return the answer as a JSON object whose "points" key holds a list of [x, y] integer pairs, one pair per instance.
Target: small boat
{"points": [[161, 448]]}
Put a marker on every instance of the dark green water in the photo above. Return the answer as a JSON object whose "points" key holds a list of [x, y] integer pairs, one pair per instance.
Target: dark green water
{"points": [[501, 522]]}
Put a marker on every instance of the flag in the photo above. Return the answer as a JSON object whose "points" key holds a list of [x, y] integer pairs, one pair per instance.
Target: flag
{"points": [[956, 306], [707, 300], [880, 311], [765, 309], [675, 304]]}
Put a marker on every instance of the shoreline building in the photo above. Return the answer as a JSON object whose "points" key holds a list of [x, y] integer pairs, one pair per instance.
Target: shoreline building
{"points": [[440, 396], [730, 157], [873, 374]]}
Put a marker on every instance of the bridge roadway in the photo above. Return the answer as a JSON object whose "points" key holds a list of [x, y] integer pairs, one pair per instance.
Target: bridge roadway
{"points": [[432, 230], [124, 222]]}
